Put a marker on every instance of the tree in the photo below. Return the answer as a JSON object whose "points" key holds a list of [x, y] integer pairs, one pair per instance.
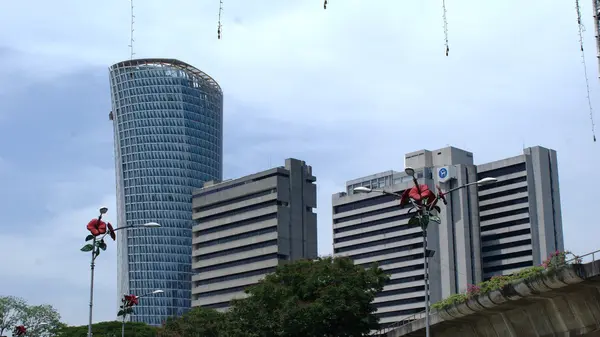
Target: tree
{"points": [[39, 320], [200, 322], [109, 329], [12, 310], [321, 298]]}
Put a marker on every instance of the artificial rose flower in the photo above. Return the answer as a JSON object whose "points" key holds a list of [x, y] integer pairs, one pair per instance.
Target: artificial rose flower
{"points": [[441, 195], [111, 231], [96, 227], [131, 300], [20, 330]]}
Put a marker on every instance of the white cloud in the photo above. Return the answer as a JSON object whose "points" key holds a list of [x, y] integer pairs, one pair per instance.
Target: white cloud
{"points": [[46, 255]]}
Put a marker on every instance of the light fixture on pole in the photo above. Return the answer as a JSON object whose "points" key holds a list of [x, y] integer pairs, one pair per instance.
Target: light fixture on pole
{"points": [[98, 230], [127, 304], [424, 201]]}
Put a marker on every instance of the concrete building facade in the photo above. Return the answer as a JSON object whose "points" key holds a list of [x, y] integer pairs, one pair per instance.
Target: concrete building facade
{"points": [[371, 228], [246, 227], [520, 216]]}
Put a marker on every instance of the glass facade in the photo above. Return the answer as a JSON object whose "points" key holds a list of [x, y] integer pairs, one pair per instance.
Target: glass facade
{"points": [[168, 133]]}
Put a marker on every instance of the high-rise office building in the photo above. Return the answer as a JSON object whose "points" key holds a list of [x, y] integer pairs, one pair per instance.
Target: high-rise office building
{"points": [[520, 216], [248, 226], [372, 228], [168, 132], [493, 221]]}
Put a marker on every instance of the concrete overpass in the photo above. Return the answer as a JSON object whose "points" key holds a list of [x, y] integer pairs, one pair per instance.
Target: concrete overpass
{"points": [[561, 304]]}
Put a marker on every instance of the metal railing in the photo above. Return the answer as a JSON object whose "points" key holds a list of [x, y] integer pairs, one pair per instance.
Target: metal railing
{"points": [[577, 259]]}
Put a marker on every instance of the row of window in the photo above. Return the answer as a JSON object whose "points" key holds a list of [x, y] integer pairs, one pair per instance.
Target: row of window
{"points": [[231, 238], [162, 197], [197, 169], [157, 275], [141, 150], [162, 180], [238, 249], [179, 111], [164, 267], [157, 259], [133, 80], [180, 217], [170, 134], [173, 122], [161, 245]]}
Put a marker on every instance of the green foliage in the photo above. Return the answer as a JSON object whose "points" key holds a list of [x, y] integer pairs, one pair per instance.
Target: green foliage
{"points": [[326, 297], [197, 322], [554, 262], [11, 312], [125, 311], [435, 219], [38, 319], [450, 301], [110, 329], [331, 291], [87, 248]]}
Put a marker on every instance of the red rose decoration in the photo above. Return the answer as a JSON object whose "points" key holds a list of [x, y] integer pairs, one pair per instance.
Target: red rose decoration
{"points": [[96, 227], [131, 300], [404, 198], [111, 231], [441, 195], [20, 330], [418, 194]]}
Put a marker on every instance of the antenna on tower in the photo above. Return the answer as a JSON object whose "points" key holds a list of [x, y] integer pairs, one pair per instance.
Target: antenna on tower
{"points": [[131, 40], [219, 26]]}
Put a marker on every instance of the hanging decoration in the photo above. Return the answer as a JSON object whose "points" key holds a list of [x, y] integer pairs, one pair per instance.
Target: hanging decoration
{"points": [[131, 40], [325, 4], [445, 26], [581, 30], [219, 26]]}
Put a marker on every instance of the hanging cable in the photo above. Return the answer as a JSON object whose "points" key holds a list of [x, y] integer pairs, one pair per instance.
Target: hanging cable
{"points": [[219, 26], [325, 4], [445, 26], [131, 40], [581, 29]]}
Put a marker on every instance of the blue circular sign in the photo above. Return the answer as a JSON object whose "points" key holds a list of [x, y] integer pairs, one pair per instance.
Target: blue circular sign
{"points": [[443, 173]]}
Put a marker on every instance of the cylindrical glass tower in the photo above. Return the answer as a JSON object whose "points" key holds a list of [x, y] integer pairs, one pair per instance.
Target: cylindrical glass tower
{"points": [[168, 132]]}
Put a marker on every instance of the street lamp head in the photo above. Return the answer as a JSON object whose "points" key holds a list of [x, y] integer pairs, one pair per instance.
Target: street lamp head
{"points": [[158, 291], [103, 210], [362, 189], [151, 225], [486, 181], [410, 171]]}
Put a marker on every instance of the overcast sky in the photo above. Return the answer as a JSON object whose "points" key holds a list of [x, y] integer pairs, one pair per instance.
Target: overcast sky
{"points": [[349, 89]]}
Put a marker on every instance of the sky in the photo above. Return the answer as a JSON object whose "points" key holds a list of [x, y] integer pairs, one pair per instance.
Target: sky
{"points": [[349, 89]]}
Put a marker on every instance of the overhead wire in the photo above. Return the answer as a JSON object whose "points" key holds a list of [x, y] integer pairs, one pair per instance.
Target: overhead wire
{"points": [[581, 30]]}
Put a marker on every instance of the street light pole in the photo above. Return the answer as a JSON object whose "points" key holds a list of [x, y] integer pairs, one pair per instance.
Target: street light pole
{"points": [[94, 243], [423, 217], [103, 211], [426, 265], [127, 305]]}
